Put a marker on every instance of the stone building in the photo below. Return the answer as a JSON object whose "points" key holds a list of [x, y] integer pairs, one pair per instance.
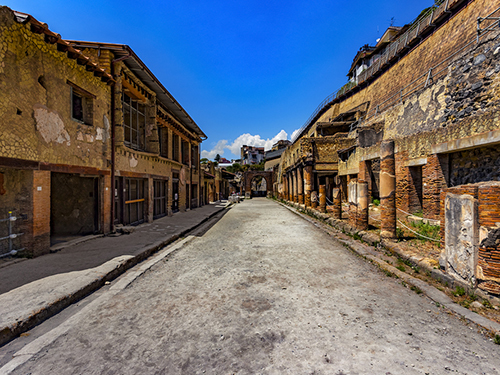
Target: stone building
{"points": [[157, 159], [89, 138], [420, 120], [217, 183]]}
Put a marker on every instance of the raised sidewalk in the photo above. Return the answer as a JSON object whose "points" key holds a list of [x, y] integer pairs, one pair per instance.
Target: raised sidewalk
{"points": [[33, 290]]}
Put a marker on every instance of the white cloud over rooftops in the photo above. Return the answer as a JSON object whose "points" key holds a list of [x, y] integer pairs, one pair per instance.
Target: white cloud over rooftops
{"points": [[244, 139]]}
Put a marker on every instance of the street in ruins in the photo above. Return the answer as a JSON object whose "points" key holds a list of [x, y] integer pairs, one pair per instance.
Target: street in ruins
{"points": [[261, 292]]}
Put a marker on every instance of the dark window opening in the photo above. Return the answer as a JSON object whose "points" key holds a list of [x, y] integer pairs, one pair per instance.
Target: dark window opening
{"points": [[175, 147], [77, 107], [134, 123], [185, 152], [194, 157], [82, 105], [163, 141]]}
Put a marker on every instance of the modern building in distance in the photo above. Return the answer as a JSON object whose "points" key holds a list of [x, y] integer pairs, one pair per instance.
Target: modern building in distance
{"points": [[274, 154], [251, 155]]}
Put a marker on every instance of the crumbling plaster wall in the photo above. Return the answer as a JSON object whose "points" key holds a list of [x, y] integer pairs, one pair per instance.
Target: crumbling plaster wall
{"points": [[35, 101]]}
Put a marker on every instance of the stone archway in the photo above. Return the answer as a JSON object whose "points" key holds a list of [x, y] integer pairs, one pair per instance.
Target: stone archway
{"points": [[250, 175]]}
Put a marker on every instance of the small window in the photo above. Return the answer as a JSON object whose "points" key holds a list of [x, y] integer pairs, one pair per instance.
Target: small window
{"points": [[82, 105], [185, 152], [134, 123], [175, 147], [163, 141]]}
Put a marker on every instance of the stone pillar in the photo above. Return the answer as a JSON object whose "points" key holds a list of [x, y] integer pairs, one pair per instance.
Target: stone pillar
{"points": [[387, 190], [322, 198], [314, 199], [362, 206], [294, 179], [300, 186], [337, 204], [308, 185], [352, 197]]}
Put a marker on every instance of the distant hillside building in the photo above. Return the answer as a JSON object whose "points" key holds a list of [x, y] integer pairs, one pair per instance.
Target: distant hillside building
{"points": [[251, 155]]}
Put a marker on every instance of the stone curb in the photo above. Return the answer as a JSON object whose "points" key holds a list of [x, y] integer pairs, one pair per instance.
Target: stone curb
{"points": [[374, 240], [13, 329]]}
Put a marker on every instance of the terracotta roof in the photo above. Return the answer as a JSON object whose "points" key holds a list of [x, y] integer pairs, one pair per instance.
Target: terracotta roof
{"points": [[135, 64], [63, 46]]}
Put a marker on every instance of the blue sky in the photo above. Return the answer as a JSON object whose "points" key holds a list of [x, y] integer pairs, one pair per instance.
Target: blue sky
{"points": [[248, 72]]}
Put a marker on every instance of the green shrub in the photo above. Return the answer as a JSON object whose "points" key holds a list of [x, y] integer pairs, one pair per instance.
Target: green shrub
{"points": [[431, 231], [459, 291]]}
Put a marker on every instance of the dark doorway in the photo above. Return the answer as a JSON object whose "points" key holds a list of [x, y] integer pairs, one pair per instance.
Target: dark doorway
{"points": [[259, 186], [415, 196], [373, 167], [135, 198], [175, 195], [194, 196], [160, 198], [74, 206]]}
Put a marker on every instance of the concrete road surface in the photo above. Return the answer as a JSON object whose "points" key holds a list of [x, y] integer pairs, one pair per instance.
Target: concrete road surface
{"points": [[262, 292]]}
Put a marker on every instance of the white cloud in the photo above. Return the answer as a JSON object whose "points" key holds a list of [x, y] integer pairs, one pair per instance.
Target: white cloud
{"points": [[218, 149], [256, 141], [294, 133], [244, 139]]}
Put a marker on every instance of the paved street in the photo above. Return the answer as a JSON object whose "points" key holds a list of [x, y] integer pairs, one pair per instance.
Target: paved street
{"points": [[262, 292]]}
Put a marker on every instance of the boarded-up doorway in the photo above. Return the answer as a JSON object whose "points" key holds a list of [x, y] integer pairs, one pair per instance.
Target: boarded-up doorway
{"points": [[74, 206]]}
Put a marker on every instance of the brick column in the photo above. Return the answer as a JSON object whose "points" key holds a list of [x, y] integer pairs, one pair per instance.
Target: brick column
{"points": [[289, 190], [434, 175], [363, 172], [41, 213], [106, 202], [387, 190], [322, 198], [300, 186], [337, 204], [488, 268], [362, 206], [308, 185]]}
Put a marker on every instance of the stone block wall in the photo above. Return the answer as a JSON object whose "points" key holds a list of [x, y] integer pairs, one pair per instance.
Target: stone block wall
{"points": [[476, 165]]}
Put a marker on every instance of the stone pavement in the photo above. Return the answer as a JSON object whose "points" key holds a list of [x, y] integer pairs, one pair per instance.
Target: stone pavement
{"points": [[262, 292], [32, 290]]}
